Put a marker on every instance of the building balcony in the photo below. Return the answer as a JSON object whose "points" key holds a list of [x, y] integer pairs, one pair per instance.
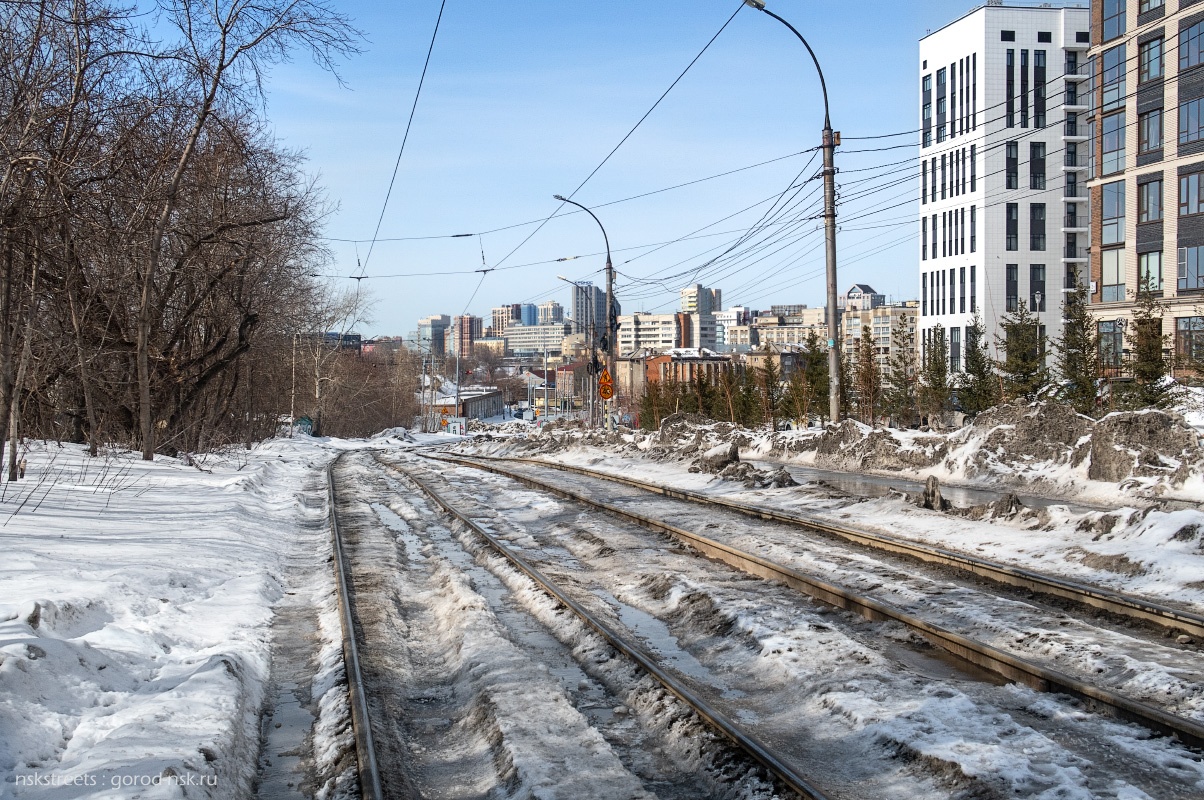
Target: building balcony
{"points": [[1075, 223], [1074, 194], [1073, 254]]}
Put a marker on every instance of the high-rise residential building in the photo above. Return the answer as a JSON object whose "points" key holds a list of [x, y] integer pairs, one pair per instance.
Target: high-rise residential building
{"points": [[733, 317], [860, 297], [501, 319], [528, 314], [465, 331], [696, 299], [1005, 155], [589, 308], [1146, 68], [432, 333], [550, 312], [526, 340]]}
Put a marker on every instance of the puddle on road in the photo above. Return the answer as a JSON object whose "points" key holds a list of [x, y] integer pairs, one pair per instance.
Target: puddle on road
{"points": [[937, 664], [657, 637], [391, 520]]}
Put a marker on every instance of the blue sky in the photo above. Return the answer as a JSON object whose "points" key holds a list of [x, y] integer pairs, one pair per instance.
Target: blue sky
{"points": [[524, 100]]}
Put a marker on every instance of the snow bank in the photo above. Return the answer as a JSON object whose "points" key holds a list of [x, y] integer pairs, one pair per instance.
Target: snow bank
{"points": [[135, 601]]}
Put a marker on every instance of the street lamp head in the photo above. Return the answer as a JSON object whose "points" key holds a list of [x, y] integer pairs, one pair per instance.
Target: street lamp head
{"points": [[560, 197], [759, 5]]}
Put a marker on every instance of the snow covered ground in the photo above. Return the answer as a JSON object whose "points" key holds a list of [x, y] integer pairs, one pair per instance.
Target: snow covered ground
{"points": [[136, 601]]}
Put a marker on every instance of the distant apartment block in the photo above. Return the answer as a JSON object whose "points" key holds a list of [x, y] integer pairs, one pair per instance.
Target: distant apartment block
{"points": [[1005, 155]]}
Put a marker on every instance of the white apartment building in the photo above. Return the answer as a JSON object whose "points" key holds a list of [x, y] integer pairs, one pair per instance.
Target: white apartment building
{"points": [[1004, 156], [697, 299], [550, 312], [530, 339], [660, 332]]}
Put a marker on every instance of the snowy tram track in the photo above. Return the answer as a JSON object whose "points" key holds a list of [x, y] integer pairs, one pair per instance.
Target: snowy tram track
{"points": [[865, 706], [749, 744], [1092, 597], [480, 686], [1135, 678]]}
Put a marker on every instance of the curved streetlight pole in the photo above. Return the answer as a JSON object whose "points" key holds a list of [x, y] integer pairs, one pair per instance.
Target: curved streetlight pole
{"points": [[611, 322], [830, 140]]}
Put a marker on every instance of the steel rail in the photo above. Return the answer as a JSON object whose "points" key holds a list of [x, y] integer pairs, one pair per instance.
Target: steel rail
{"points": [[746, 742], [982, 655], [1118, 603], [365, 750]]}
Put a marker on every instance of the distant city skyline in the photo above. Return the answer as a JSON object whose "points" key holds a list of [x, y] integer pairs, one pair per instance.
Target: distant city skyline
{"points": [[523, 101]]}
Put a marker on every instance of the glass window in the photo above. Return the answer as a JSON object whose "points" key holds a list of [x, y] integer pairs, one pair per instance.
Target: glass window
{"points": [[973, 168], [1113, 196], [1010, 94], [1012, 287], [961, 286], [1114, 77], [1189, 338], [1036, 226], [973, 289], [1113, 269], [1012, 156], [1036, 165], [1191, 46], [1149, 60], [1013, 226], [1114, 18], [1113, 133], [1191, 121], [1149, 201], [1191, 194], [1191, 268], [923, 238], [924, 181], [1039, 88], [973, 228], [955, 349], [1149, 5], [1111, 343], [1036, 287], [1149, 272], [1149, 131], [923, 294]]}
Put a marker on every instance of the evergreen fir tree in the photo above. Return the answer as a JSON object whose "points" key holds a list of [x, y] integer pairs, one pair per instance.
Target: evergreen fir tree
{"points": [[815, 354], [978, 387], [900, 398], [749, 400], [935, 391], [771, 389], [1149, 365], [1023, 366], [867, 380], [1077, 353]]}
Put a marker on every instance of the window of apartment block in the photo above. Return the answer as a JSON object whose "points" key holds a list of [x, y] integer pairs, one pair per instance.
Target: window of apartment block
{"points": [[1149, 60], [1149, 201], [1191, 46], [1012, 287], [973, 289], [955, 349], [1149, 131], [973, 228], [1113, 212], [1191, 194], [941, 107], [1113, 269], [944, 234], [1111, 343], [1189, 338], [1190, 270], [1114, 78], [924, 181], [1038, 88], [934, 235], [1023, 88], [1036, 287], [1010, 93], [1013, 226], [944, 183], [1007, 36], [923, 238], [1036, 165], [1149, 5], [973, 168], [1149, 272], [961, 290], [1113, 134], [933, 192], [923, 294], [1036, 226], [1191, 121], [1012, 165], [1114, 18]]}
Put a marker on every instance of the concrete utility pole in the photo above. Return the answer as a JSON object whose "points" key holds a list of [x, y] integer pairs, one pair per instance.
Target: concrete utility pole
{"points": [[612, 322], [830, 140]]}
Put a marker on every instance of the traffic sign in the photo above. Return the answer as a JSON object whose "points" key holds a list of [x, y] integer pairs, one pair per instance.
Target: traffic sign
{"points": [[604, 378], [606, 391]]}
